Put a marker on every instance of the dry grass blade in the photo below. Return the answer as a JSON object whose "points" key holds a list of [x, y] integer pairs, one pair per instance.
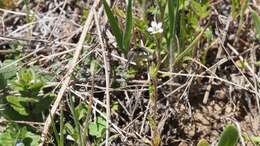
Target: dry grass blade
{"points": [[106, 65]]}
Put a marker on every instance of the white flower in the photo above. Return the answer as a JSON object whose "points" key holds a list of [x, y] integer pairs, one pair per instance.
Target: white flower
{"points": [[69, 137], [19, 143], [155, 28]]}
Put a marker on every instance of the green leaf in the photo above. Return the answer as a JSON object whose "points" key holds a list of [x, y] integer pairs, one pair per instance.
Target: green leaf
{"points": [[257, 63], [97, 128], [8, 69], [28, 83], [114, 25], [131, 72], [6, 139], [203, 142], [229, 136], [44, 103], [14, 135], [31, 139], [256, 19], [235, 7], [69, 128], [201, 9], [115, 106], [81, 111], [189, 49], [3, 82], [93, 66], [128, 27], [173, 6], [255, 139], [18, 104], [153, 70]]}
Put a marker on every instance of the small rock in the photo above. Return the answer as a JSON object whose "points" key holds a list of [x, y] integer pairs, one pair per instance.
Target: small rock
{"points": [[202, 119], [183, 144], [228, 110], [217, 108]]}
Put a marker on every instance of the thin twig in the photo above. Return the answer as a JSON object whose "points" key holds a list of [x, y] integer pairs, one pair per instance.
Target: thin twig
{"points": [[106, 66], [220, 50]]}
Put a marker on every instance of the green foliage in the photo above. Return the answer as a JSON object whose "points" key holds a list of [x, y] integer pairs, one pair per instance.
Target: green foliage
{"points": [[203, 142], [257, 63], [28, 83], [71, 131], [254, 139], [93, 67], [229, 136], [7, 71], [97, 128], [28, 103], [77, 131], [19, 104], [173, 8], [23, 97], [131, 73], [114, 24], [81, 111], [122, 37], [3, 82], [189, 49], [115, 106], [184, 21], [235, 8], [128, 26], [153, 70], [201, 9], [256, 19], [84, 16], [15, 135], [243, 6], [83, 127]]}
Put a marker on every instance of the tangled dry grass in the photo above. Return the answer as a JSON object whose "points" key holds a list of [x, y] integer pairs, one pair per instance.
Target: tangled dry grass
{"points": [[196, 100]]}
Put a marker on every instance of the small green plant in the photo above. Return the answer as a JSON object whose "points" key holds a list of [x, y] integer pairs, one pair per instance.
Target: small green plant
{"points": [[238, 9], [122, 37], [83, 128], [235, 8], [256, 19], [155, 30], [229, 137], [254, 139], [97, 128], [203, 142], [27, 102], [17, 135]]}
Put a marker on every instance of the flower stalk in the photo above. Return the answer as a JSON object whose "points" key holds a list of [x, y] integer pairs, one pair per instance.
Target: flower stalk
{"points": [[155, 30]]}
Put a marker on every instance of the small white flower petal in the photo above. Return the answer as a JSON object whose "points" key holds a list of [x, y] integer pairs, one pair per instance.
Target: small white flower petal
{"points": [[68, 137], [159, 25], [150, 29], [155, 27], [153, 24], [160, 30], [114, 44]]}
